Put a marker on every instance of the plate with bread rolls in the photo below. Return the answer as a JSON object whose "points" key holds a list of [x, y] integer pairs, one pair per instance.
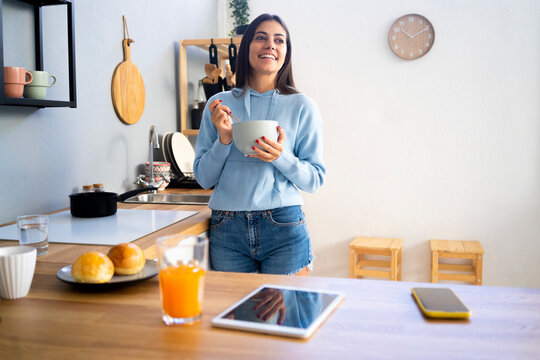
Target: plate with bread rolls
{"points": [[124, 263]]}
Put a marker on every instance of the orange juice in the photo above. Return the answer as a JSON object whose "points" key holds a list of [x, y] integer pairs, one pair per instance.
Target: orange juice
{"points": [[182, 290]]}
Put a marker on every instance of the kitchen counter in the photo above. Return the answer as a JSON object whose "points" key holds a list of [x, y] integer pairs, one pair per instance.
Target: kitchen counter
{"points": [[377, 320], [195, 224]]}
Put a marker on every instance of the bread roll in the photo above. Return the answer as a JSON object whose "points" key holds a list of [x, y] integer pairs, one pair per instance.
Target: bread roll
{"points": [[92, 267], [127, 258]]}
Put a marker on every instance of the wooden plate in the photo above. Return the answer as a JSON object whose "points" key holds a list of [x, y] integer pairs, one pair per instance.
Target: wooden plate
{"points": [[127, 89]]}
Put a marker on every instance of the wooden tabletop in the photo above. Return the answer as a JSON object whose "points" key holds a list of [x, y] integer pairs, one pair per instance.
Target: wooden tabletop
{"points": [[457, 246], [377, 320], [374, 243]]}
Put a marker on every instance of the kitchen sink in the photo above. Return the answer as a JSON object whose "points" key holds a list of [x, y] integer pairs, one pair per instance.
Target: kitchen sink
{"points": [[176, 199]]}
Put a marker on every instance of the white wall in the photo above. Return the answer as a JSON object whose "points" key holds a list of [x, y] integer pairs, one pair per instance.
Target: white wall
{"points": [[445, 146], [46, 154]]}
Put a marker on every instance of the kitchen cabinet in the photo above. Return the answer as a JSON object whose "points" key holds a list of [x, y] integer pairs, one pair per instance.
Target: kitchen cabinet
{"points": [[223, 54], [37, 6]]}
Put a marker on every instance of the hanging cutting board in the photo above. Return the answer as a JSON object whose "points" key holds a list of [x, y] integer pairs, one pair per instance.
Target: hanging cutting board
{"points": [[127, 87]]}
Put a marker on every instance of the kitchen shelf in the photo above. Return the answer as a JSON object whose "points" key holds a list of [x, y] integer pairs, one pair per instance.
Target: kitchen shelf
{"points": [[222, 45], [38, 31]]}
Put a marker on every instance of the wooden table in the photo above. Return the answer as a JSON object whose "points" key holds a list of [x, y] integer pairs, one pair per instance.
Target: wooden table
{"points": [[377, 320]]}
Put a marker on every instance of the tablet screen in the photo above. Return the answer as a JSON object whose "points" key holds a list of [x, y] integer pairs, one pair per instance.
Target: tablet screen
{"points": [[285, 307]]}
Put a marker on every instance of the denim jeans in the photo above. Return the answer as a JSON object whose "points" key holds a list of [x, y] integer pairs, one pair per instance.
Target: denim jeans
{"points": [[269, 241]]}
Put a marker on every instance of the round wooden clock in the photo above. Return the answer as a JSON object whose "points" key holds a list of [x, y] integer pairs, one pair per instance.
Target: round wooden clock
{"points": [[411, 36]]}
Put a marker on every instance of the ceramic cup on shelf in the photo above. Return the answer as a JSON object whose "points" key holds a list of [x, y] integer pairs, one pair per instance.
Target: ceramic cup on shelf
{"points": [[37, 89], [14, 80], [17, 266]]}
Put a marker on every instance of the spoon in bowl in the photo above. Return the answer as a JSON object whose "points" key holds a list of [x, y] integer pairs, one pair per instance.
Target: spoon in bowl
{"points": [[234, 117]]}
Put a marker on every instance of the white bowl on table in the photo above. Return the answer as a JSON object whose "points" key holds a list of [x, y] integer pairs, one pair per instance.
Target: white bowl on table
{"points": [[246, 132]]}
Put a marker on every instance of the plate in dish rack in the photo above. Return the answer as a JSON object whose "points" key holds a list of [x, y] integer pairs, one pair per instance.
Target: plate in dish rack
{"points": [[164, 147], [182, 152], [149, 270]]}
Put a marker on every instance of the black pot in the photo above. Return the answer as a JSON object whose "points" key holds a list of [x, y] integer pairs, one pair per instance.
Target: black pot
{"points": [[99, 204]]}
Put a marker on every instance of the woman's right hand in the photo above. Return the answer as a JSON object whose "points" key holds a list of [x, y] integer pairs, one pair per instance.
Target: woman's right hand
{"points": [[271, 302], [222, 121]]}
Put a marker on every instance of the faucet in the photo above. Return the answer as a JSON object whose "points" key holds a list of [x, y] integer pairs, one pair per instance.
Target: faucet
{"points": [[154, 144]]}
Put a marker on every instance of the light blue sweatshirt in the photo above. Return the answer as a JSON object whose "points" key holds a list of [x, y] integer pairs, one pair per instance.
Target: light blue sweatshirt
{"points": [[248, 184]]}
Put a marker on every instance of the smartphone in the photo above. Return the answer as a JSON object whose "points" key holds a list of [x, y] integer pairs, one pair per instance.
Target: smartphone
{"points": [[440, 303]]}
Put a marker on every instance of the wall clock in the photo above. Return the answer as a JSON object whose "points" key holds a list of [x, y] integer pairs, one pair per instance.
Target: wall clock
{"points": [[411, 36]]}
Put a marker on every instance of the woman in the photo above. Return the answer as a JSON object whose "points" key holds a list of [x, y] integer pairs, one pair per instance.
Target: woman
{"points": [[257, 223]]}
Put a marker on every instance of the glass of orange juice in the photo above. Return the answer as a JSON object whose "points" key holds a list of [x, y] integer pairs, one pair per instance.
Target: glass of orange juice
{"points": [[183, 263]]}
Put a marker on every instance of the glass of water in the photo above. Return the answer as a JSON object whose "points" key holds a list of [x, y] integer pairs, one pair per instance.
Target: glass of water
{"points": [[34, 231]]}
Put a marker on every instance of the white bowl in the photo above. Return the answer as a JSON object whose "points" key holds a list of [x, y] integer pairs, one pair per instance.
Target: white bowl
{"points": [[246, 132], [17, 265]]}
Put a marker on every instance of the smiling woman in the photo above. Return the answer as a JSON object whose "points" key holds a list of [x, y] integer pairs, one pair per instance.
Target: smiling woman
{"points": [[266, 29], [267, 54], [257, 223]]}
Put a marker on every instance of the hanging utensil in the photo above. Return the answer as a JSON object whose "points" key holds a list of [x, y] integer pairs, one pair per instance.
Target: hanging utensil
{"points": [[127, 86], [213, 53], [232, 56]]}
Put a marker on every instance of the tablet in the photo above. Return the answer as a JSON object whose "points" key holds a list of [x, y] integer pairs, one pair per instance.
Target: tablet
{"points": [[280, 310], [440, 303]]}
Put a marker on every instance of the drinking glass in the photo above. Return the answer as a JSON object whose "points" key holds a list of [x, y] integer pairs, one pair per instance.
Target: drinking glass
{"points": [[182, 263], [34, 232]]}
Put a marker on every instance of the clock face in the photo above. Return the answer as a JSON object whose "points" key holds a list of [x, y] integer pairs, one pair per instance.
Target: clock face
{"points": [[411, 36]]}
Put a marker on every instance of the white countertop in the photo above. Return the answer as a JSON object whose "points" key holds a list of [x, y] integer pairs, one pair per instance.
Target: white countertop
{"points": [[124, 226]]}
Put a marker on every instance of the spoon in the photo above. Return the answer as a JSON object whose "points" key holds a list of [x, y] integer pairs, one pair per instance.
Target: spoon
{"points": [[234, 117]]}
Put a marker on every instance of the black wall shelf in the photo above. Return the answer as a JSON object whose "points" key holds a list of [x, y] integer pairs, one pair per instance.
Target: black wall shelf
{"points": [[38, 29]]}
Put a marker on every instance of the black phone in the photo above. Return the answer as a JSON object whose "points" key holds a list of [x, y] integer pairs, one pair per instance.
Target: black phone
{"points": [[440, 303]]}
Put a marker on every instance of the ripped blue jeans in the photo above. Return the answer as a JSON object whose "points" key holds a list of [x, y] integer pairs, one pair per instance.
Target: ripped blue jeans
{"points": [[269, 241]]}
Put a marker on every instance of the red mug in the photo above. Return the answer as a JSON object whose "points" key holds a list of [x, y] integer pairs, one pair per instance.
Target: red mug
{"points": [[14, 79]]}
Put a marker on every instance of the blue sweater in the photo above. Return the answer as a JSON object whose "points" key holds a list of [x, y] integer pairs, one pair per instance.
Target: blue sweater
{"points": [[247, 184]]}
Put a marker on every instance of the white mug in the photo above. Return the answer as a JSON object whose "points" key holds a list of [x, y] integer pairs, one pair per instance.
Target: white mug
{"points": [[17, 266]]}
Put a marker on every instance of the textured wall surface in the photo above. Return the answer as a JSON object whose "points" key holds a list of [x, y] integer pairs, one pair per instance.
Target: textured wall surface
{"points": [[445, 147]]}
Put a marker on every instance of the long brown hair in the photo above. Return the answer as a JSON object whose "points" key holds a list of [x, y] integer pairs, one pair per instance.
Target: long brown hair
{"points": [[284, 81]]}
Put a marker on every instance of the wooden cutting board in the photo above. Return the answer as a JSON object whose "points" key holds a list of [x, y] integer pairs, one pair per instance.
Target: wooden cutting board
{"points": [[127, 89]]}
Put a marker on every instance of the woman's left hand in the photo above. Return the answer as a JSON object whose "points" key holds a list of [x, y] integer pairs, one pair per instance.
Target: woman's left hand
{"points": [[271, 150]]}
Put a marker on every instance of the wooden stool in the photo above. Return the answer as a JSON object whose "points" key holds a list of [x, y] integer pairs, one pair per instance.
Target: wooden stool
{"points": [[471, 250], [363, 245]]}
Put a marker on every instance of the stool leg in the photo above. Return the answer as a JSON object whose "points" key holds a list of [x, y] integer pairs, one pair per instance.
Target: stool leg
{"points": [[352, 264], [478, 269], [358, 265], [393, 266], [434, 267]]}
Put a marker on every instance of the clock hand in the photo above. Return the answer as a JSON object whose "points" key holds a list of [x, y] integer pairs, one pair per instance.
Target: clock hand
{"points": [[421, 31], [406, 33]]}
